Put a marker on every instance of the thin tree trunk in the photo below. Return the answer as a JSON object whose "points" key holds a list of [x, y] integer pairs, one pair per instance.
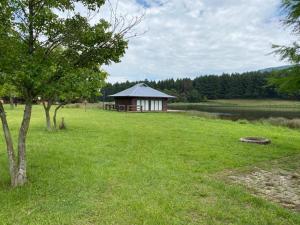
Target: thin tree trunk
{"points": [[47, 114], [48, 121], [21, 177], [54, 115], [9, 145], [11, 101]]}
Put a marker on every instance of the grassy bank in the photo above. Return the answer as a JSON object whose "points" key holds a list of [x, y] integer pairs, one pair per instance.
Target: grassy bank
{"points": [[243, 104], [141, 168]]}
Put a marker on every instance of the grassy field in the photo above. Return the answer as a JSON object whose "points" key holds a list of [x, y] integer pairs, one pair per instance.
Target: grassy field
{"points": [[141, 168]]}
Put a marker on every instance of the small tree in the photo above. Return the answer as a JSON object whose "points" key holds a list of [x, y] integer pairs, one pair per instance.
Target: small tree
{"points": [[66, 83], [31, 33], [76, 85]]}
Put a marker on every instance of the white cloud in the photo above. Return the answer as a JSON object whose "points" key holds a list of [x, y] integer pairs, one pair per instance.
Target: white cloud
{"points": [[194, 37]]}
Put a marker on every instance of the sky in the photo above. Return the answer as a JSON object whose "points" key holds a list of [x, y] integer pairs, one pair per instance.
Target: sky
{"points": [[189, 38]]}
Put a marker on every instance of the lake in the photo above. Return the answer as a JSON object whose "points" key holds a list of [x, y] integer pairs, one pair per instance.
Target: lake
{"points": [[237, 113]]}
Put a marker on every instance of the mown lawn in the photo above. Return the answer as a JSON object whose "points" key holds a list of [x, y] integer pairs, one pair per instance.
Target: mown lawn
{"points": [[141, 168]]}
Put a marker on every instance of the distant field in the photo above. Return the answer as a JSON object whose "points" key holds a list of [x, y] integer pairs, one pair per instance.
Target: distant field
{"points": [[141, 168], [253, 103], [256, 102]]}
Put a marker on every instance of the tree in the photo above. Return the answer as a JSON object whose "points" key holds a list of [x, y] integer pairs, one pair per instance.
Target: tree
{"points": [[289, 80], [31, 33], [11, 54], [8, 90]]}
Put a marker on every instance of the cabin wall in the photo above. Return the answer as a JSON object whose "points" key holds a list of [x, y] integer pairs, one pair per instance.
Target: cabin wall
{"points": [[124, 102], [133, 102], [165, 104]]}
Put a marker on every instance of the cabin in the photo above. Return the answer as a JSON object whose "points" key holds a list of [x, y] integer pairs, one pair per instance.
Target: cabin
{"points": [[140, 97]]}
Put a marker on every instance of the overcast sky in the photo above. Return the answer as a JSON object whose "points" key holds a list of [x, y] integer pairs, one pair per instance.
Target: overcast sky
{"points": [[188, 38]]}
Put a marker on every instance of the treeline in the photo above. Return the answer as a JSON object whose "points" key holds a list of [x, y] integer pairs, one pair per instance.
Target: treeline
{"points": [[250, 85]]}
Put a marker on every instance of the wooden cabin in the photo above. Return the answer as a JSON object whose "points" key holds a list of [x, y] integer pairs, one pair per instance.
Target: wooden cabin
{"points": [[141, 97]]}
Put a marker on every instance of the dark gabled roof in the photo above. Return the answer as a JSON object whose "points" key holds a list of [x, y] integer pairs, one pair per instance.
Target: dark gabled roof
{"points": [[141, 90]]}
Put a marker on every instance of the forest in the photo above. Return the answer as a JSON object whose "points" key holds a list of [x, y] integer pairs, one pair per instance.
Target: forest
{"points": [[249, 85]]}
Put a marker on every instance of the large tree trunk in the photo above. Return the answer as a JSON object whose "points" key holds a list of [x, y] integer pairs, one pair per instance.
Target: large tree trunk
{"points": [[9, 145], [21, 177], [55, 114], [47, 108]]}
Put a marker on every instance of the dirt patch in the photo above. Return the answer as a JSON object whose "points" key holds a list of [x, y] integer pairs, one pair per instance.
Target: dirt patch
{"points": [[277, 185]]}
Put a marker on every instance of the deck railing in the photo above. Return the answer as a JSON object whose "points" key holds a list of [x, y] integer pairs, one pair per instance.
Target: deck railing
{"points": [[123, 108], [134, 108], [109, 106]]}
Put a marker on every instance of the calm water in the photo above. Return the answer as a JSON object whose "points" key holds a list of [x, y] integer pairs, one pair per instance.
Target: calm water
{"points": [[236, 113]]}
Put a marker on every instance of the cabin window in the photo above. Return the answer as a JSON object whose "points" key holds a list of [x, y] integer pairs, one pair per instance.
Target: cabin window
{"points": [[143, 103], [156, 105], [153, 105], [160, 105], [146, 105]]}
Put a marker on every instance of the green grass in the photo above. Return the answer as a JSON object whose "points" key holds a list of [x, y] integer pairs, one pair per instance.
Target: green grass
{"points": [[141, 168]]}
